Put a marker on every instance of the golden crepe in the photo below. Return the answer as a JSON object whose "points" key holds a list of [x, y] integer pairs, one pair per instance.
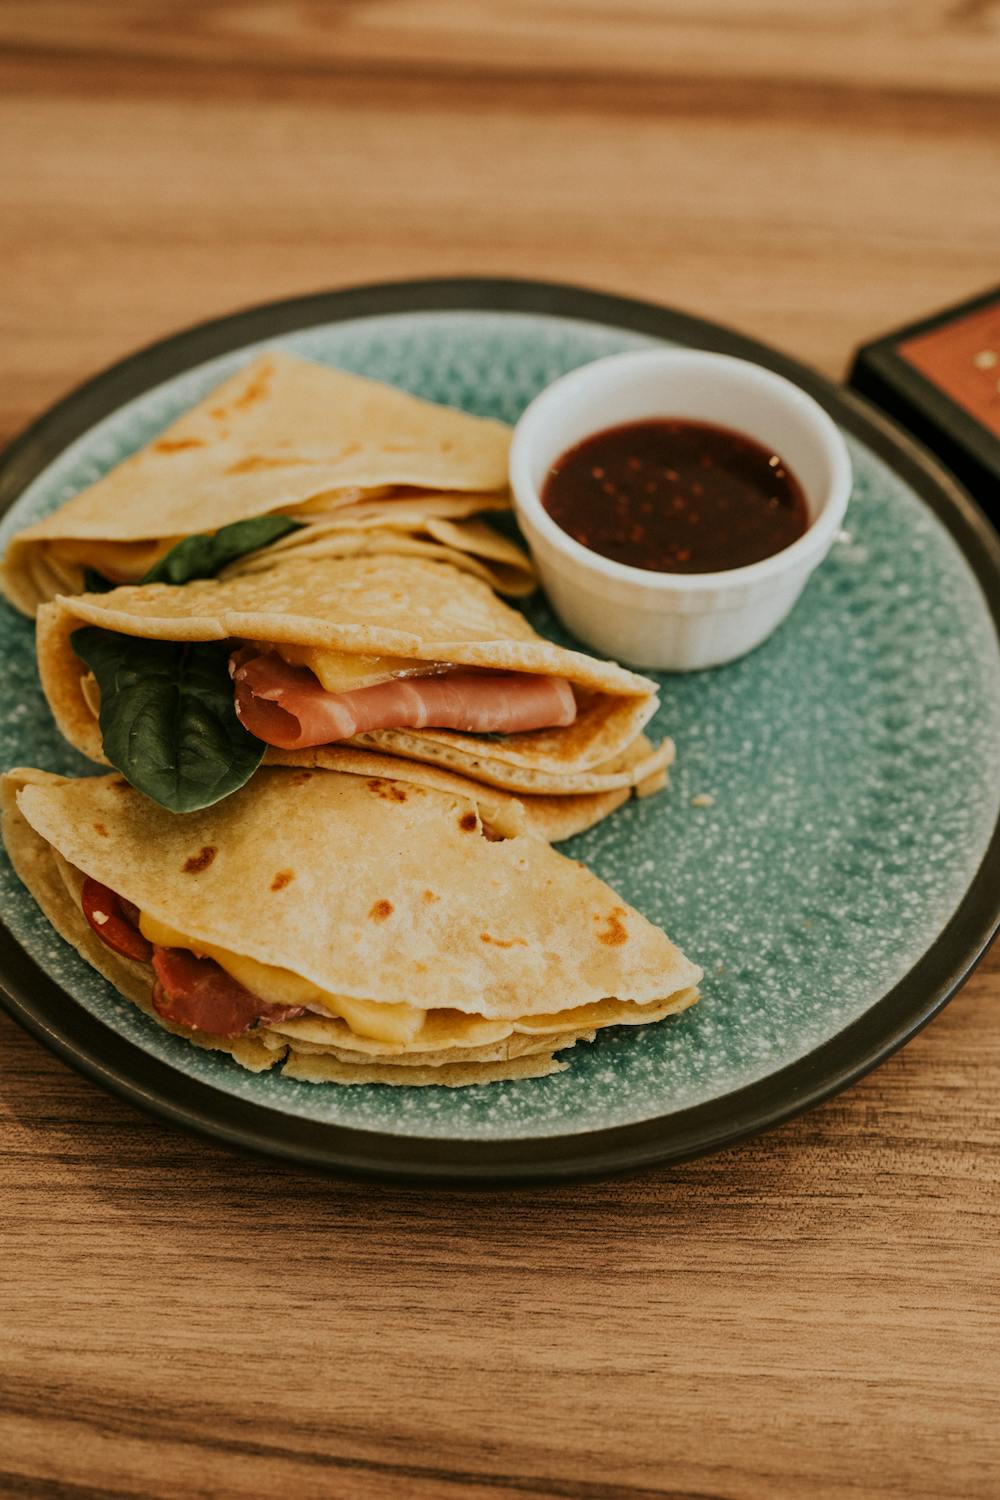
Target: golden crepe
{"points": [[357, 930], [341, 629], [551, 818], [439, 527], [283, 435]]}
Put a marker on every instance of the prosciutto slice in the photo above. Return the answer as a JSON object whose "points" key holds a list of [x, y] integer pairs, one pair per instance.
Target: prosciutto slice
{"points": [[288, 707], [199, 994]]}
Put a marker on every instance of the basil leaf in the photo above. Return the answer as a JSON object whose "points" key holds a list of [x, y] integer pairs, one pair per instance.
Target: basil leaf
{"points": [[168, 717], [205, 554], [96, 583]]}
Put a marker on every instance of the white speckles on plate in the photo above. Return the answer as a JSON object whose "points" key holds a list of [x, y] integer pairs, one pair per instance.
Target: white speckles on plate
{"points": [[850, 764]]}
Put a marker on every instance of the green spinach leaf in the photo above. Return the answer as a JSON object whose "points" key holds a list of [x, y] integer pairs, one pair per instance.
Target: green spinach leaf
{"points": [[205, 554], [96, 583], [168, 717]]}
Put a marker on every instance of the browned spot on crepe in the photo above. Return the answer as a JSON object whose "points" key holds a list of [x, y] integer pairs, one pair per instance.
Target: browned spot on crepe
{"points": [[281, 879], [256, 390], [100, 829], [381, 910], [468, 822], [496, 942], [389, 791], [177, 445], [195, 863], [254, 462], [615, 931], [430, 896]]}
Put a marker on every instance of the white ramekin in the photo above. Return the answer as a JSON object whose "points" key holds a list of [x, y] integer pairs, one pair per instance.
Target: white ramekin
{"points": [[677, 621]]}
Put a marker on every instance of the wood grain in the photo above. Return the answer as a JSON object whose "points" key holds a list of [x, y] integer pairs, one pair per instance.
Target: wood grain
{"points": [[815, 1313]]}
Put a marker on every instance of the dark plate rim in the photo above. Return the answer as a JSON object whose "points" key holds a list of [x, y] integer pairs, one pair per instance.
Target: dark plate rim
{"points": [[87, 1044]]}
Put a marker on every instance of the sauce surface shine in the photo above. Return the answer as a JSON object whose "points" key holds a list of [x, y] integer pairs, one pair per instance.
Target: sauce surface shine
{"points": [[676, 496]]}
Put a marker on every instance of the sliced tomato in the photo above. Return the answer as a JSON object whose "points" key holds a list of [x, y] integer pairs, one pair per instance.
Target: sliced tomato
{"points": [[129, 911], [108, 915], [199, 994]]}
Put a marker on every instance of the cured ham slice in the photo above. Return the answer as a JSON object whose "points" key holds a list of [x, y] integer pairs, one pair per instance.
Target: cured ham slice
{"points": [[288, 707], [199, 994]]}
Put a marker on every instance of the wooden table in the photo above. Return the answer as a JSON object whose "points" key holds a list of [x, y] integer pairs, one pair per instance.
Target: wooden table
{"points": [[812, 1314]]}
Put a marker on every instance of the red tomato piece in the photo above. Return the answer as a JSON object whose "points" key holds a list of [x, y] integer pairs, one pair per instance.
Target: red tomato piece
{"points": [[104, 911]]}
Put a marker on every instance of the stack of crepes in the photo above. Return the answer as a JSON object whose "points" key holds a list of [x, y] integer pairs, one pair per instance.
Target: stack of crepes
{"points": [[362, 468], [356, 929], [387, 665], [342, 757]]}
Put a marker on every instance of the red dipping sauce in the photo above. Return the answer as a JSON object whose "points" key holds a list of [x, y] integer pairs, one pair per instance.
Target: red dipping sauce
{"points": [[676, 496]]}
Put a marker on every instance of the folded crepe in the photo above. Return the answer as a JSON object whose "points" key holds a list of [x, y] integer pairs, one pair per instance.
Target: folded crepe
{"points": [[282, 436], [548, 817], [401, 655], [356, 930], [439, 527]]}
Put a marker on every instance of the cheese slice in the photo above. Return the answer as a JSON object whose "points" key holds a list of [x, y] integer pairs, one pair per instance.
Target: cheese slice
{"points": [[122, 562], [341, 671], [386, 1023]]}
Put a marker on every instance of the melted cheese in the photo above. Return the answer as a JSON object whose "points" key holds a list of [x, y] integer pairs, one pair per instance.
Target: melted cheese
{"points": [[386, 1023], [119, 561], [341, 671]]}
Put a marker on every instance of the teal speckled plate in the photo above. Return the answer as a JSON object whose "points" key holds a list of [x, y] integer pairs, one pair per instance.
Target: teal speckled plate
{"points": [[837, 889]]}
